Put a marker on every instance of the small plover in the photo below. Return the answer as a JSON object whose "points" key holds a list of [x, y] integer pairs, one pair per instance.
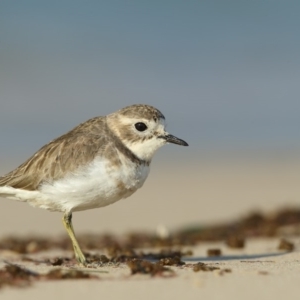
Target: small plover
{"points": [[97, 163]]}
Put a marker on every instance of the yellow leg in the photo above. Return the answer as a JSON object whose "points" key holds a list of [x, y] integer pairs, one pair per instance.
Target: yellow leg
{"points": [[67, 221]]}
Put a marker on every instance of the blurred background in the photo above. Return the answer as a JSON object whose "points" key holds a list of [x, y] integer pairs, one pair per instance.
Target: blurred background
{"points": [[226, 74]]}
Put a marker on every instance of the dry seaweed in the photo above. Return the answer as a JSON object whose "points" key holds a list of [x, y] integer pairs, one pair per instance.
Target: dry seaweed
{"points": [[58, 274], [214, 252], [13, 275], [16, 276], [235, 242], [138, 266], [122, 250], [203, 267], [233, 233], [286, 245]]}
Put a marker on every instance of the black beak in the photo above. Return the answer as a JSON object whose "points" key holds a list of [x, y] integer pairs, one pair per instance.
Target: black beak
{"points": [[173, 139]]}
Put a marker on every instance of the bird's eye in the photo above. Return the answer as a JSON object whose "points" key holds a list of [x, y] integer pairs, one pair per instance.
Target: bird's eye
{"points": [[140, 126]]}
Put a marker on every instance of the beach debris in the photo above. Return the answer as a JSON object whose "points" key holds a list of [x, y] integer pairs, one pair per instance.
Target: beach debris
{"points": [[214, 252], [286, 245]]}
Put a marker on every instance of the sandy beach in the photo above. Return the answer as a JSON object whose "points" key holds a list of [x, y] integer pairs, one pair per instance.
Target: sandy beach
{"points": [[205, 225], [213, 191], [259, 271]]}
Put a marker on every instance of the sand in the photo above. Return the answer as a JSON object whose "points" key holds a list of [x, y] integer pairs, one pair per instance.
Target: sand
{"points": [[175, 196], [259, 271]]}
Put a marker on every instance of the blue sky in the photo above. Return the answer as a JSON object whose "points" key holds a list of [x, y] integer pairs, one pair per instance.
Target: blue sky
{"points": [[225, 73]]}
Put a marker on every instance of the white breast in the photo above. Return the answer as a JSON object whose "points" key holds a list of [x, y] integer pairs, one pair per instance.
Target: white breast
{"points": [[96, 185]]}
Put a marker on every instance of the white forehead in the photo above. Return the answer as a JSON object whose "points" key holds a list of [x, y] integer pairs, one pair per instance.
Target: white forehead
{"points": [[160, 122]]}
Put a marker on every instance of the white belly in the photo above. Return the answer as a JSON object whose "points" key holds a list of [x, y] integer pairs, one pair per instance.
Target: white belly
{"points": [[97, 185]]}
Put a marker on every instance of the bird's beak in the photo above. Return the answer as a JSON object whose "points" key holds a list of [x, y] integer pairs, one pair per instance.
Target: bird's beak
{"points": [[173, 139]]}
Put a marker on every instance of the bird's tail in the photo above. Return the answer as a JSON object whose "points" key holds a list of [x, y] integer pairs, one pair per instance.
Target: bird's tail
{"points": [[15, 194]]}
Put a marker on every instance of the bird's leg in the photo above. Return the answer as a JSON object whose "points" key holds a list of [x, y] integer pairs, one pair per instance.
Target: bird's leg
{"points": [[67, 221]]}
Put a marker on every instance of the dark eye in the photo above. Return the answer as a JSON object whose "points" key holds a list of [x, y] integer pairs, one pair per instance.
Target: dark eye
{"points": [[140, 126]]}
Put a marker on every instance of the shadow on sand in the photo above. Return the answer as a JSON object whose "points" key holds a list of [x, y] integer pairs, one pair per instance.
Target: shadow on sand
{"points": [[232, 257]]}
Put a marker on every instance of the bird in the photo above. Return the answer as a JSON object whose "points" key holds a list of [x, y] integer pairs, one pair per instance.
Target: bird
{"points": [[100, 161]]}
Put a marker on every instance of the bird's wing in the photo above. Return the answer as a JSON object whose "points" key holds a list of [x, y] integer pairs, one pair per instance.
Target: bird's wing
{"points": [[62, 155]]}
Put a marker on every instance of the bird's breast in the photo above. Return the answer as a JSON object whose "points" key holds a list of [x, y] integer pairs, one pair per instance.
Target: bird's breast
{"points": [[99, 184]]}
